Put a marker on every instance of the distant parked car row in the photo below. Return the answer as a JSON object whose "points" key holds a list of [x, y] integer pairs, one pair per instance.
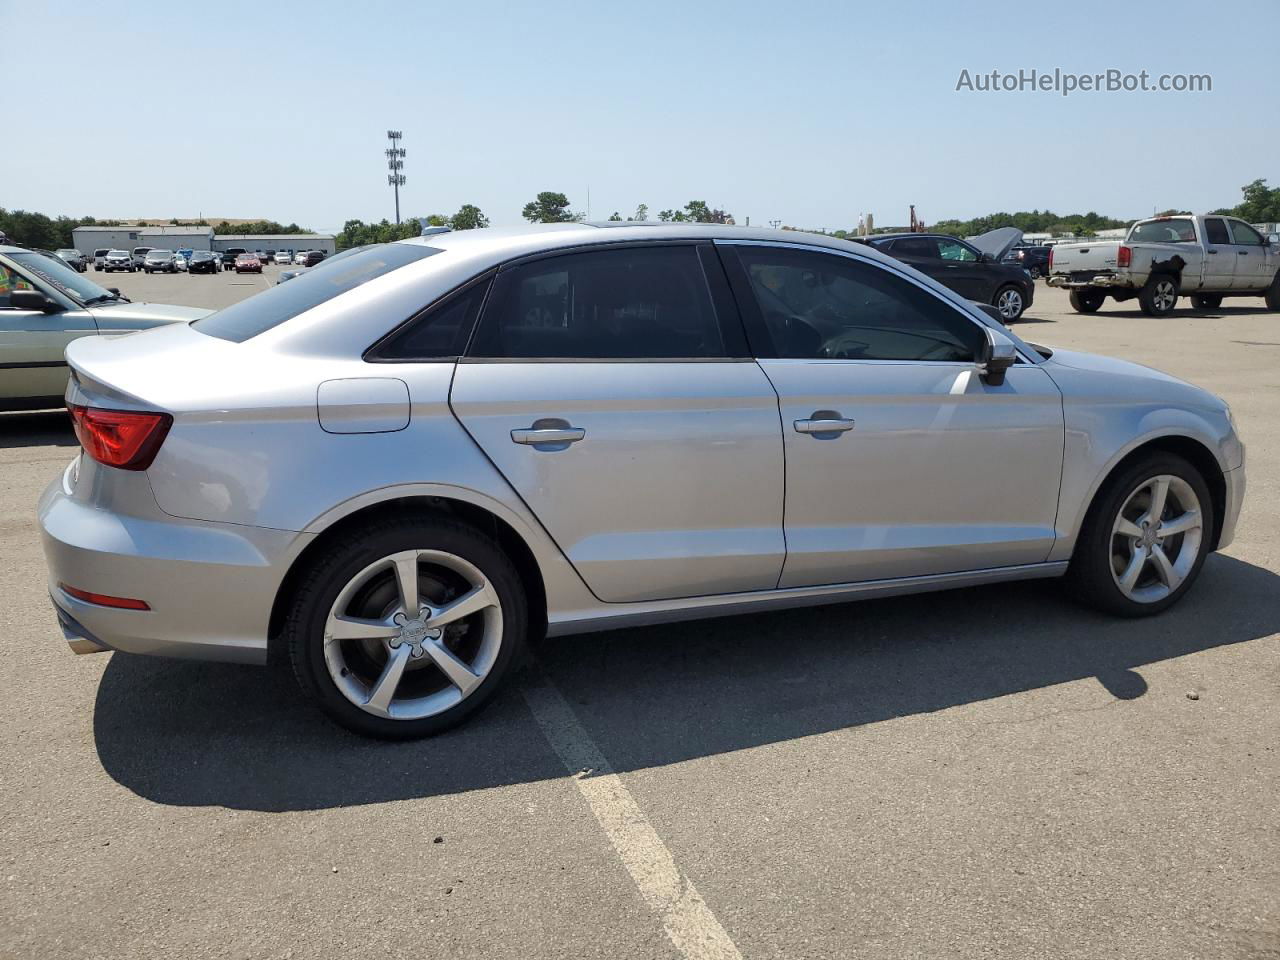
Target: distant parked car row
{"points": [[157, 260]]}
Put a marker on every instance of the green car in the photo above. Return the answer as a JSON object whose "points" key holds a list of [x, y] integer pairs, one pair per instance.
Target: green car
{"points": [[44, 305]]}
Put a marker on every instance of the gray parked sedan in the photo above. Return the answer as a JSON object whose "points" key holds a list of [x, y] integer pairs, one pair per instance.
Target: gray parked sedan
{"points": [[395, 472], [45, 305]]}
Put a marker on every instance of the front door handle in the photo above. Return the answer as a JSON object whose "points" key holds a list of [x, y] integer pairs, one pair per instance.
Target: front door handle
{"points": [[1242, 253], [550, 433], [824, 424]]}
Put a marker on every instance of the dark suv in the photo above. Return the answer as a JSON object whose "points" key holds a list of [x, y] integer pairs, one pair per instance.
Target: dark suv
{"points": [[311, 258], [1031, 257], [973, 273]]}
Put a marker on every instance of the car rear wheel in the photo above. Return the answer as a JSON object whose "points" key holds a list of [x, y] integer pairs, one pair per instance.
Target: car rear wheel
{"points": [[1086, 301], [1145, 539], [407, 629], [1010, 302], [1159, 296]]}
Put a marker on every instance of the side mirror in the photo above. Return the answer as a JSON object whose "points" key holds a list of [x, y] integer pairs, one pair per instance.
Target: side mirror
{"points": [[986, 258], [32, 300], [998, 355]]}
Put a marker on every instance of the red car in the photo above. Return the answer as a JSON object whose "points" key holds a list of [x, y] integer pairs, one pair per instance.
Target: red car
{"points": [[248, 263]]}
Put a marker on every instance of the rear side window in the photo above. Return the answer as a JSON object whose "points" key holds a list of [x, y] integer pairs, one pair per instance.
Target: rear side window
{"points": [[818, 306], [441, 331], [260, 313], [915, 247], [1216, 231], [631, 303]]}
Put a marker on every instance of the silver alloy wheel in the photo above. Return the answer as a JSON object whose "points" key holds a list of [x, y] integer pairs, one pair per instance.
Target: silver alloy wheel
{"points": [[1156, 537], [1009, 303], [413, 634], [1165, 295]]}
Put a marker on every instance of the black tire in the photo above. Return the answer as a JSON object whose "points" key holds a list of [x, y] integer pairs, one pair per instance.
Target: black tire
{"points": [[1087, 301], [1011, 290], [1089, 577], [1035, 273], [1206, 301], [335, 567], [1159, 296], [1272, 296]]}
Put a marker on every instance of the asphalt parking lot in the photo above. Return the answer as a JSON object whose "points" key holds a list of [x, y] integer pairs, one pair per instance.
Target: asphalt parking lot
{"points": [[982, 773]]}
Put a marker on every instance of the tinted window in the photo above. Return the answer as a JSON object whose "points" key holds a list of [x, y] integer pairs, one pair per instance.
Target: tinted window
{"points": [[915, 247], [248, 318], [955, 250], [1243, 233], [441, 331], [817, 306], [631, 303], [1216, 231]]}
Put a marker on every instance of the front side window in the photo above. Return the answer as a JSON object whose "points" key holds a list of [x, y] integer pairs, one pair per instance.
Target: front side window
{"points": [[631, 303], [955, 250], [1244, 234], [819, 306], [10, 281]]}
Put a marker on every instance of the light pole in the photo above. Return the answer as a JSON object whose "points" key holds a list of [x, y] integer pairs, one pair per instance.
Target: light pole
{"points": [[395, 163]]}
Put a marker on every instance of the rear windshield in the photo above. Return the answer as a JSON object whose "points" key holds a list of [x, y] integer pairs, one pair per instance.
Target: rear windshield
{"points": [[248, 318], [1175, 230]]}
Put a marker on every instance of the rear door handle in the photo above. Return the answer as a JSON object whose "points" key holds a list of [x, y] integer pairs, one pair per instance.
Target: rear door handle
{"points": [[824, 424], [1242, 253], [548, 434]]}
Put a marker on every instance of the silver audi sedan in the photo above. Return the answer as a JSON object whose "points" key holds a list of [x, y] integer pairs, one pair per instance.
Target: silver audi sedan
{"points": [[395, 471]]}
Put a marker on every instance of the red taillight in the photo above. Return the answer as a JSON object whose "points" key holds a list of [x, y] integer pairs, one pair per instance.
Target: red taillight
{"points": [[120, 438], [1124, 256], [104, 600], [1051, 259]]}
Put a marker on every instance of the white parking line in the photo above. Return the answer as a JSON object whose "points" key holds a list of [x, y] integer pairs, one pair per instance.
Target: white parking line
{"points": [[689, 922]]}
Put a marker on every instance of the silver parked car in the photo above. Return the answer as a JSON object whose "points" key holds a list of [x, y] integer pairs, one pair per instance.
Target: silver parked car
{"points": [[45, 305], [394, 473]]}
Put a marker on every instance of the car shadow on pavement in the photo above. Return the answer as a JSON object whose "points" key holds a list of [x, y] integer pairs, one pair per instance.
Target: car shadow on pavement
{"points": [[194, 734], [48, 428]]}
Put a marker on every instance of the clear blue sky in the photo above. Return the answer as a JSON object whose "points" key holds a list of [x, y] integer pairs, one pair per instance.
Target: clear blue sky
{"points": [[808, 112]]}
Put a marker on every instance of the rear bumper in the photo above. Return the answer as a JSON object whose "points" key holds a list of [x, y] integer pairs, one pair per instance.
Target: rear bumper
{"points": [[210, 586], [1073, 282]]}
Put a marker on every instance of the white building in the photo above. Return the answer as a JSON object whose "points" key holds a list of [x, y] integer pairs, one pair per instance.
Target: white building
{"points": [[88, 239]]}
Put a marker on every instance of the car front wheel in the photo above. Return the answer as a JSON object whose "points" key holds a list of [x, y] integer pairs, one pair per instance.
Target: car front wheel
{"points": [[1145, 540], [407, 629]]}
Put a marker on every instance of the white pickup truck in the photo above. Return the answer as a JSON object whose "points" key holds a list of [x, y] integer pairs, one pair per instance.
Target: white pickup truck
{"points": [[1204, 257]]}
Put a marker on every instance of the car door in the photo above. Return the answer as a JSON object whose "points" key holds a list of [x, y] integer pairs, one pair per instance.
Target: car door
{"points": [[964, 271], [32, 344], [613, 389], [900, 461], [1219, 255], [1252, 268]]}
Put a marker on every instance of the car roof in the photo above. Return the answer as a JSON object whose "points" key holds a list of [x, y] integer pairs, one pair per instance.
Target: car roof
{"points": [[504, 243]]}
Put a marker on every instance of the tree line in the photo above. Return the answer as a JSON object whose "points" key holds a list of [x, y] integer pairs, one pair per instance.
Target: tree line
{"points": [[1261, 204]]}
